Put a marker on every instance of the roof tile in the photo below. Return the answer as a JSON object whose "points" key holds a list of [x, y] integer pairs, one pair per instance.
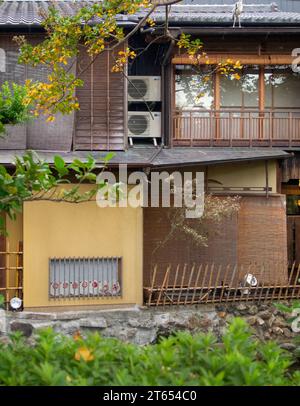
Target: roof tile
{"points": [[27, 12]]}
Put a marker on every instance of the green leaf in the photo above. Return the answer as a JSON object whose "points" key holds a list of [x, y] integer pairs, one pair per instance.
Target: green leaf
{"points": [[108, 157], [60, 165], [59, 162], [91, 177]]}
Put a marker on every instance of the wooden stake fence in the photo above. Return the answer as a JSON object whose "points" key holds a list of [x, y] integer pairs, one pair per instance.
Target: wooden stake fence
{"points": [[183, 285], [11, 271]]}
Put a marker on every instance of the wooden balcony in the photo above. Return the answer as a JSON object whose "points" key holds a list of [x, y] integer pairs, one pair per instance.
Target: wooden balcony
{"points": [[236, 128]]}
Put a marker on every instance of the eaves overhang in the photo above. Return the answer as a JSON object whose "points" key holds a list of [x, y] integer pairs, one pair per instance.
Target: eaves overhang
{"points": [[160, 157]]}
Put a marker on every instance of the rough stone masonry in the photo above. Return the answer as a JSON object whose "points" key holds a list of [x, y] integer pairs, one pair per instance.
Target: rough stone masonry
{"points": [[145, 325]]}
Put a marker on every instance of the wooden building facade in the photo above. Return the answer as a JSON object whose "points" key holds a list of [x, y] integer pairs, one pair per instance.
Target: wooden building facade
{"points": [[244, 135]]}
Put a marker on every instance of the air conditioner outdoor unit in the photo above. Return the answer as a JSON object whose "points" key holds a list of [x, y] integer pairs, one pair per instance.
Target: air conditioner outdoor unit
{"points": [[144, 88], [144, 124]]}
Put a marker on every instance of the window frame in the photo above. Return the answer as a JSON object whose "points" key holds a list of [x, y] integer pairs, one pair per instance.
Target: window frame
{"points": [[216, 78]]}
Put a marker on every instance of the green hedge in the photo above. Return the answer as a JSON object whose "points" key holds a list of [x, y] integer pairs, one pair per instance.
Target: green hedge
{"points": [[181, 359], [13, 110]]}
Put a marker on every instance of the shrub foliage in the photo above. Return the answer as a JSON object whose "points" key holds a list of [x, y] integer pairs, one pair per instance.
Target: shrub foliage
{"points": [[13, 110], [181, 359]]}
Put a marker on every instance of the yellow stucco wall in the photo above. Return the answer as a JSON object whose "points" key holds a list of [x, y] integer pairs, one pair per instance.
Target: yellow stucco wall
{"points": [[244, 174], [80, 230], [14, 229], [51, 229]]}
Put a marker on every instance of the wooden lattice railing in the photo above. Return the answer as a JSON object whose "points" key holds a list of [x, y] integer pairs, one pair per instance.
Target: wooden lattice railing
{"points": [[182, 285], [11, 273], [236, 127]]}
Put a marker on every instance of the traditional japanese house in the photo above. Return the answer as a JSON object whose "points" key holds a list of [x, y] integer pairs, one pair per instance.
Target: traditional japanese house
{"points": [[244, 135]]}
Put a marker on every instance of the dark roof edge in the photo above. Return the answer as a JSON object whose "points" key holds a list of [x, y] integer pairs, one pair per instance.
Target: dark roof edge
{"points": [[153, 161], [216, 162], [227, 29]]}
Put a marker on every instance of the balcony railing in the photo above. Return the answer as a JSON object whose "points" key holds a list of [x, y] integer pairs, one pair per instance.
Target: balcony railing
{"points": [[278, 128]]}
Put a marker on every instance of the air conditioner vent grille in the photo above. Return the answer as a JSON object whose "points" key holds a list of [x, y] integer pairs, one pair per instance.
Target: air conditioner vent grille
{"points": [[138, 124], [137, 88]]}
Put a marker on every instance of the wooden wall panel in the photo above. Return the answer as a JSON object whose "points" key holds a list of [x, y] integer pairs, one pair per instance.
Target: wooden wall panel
{"points": [[293, 238], [245, 59], [297, 240], [290, 238], [100, 123], [291, 168]]}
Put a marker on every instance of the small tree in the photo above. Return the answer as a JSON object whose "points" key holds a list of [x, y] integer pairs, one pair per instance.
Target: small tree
{"points": [[95, 28], [34, 179], [197, 230]]}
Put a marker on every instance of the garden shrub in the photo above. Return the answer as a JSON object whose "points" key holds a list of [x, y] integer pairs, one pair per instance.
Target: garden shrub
{"points": [[182, 359], [13, 109]]}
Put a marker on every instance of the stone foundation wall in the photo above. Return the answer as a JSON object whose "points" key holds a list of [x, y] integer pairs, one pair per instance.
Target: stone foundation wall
{"points": [[144, 326]]}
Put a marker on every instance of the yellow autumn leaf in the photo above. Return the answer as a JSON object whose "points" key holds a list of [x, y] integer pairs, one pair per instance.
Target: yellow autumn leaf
{"points": [[84, 354], [77, 336]]}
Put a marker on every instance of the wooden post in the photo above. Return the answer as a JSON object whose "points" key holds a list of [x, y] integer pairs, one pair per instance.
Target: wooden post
{"points": [[163, 285], [173, 106], [92, 107], [290, 128], [267, 178], [230, 128], [216, 283], [295, 281], [269, 282], [217, 103], [175, 283], [166, 284], [206, 180], [196, 283], [250, 118], [108, 101], [191, 129], [189, 284], [263, 283], [210, 282], [203, 282], [224, 283], [182, 283], [278, 177], [261, 100], [256, 288], [290, 280], [7, 268], [152, 285]]}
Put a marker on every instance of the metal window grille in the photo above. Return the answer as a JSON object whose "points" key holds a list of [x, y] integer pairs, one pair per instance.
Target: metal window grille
{"points": [[84, 277]]}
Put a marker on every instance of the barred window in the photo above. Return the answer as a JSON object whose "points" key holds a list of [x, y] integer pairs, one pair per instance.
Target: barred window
{"points": [[84, 277]]}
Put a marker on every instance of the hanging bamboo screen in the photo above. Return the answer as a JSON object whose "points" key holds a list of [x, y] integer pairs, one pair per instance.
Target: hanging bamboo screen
{"points": [[100, 123]]}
